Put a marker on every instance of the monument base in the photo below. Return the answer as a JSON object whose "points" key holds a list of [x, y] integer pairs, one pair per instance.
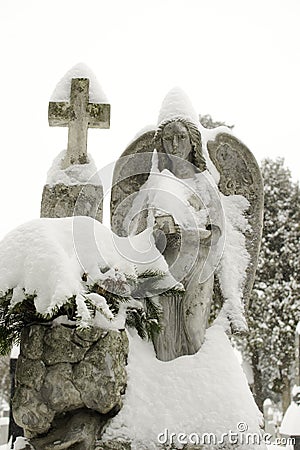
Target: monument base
{"points": [[62, 200], [69, 383]]}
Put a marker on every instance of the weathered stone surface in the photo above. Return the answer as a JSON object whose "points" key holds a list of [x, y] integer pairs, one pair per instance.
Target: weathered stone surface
{"points": [[30, 373], [78, 383], [77, 432], [58, 389], [32, 342], [240, 175], [78, 115], [101, 376], [73, 200], [60, 346], [130, 173], [90, 334], [30, 411]]}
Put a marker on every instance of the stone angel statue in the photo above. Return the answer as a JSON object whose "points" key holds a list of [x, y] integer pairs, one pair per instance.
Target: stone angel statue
{"points": [[201, 192]]}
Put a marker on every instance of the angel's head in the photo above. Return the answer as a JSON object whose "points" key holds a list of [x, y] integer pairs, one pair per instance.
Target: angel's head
{"points": [[181, 138]]}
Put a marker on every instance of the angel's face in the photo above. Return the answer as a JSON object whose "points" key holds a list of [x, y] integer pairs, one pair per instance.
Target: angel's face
{"points": [[176, 140]]}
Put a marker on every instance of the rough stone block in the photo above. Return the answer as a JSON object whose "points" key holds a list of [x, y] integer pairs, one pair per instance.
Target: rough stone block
{"points": [[60, 346], [32, 342], [73, 389], [30, 373], [59, 390], [74, 200]]}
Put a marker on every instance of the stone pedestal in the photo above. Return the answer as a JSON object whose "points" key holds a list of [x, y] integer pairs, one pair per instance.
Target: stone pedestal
{"points": [[61, 200], [69, 383]]}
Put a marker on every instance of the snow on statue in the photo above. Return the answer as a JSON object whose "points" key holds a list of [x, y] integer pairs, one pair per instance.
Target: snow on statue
{"points": [[207, 233], [201, 192]]}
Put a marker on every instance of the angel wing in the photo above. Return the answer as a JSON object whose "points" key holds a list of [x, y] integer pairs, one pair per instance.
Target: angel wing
{"points": [[130, 173], [240, 175]]}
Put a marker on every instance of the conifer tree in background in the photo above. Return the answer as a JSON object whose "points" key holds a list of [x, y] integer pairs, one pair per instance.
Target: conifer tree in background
{"points": [[274, 308]]}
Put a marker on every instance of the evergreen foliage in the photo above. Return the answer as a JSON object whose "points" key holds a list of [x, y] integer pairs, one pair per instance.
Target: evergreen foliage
{"points": [[274, 308], [14, 319], [142, 313], [146, 319]]}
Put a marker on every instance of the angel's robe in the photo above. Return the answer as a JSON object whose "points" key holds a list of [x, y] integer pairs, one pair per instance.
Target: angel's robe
{"points": [[192, 253]]}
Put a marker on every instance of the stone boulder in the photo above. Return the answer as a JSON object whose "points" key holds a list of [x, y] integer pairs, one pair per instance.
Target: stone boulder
{"points": [[66, 377]]}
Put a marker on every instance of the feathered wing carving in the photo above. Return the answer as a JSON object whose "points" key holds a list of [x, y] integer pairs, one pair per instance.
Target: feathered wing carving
{"points": [[240, 175], [130, 173]]}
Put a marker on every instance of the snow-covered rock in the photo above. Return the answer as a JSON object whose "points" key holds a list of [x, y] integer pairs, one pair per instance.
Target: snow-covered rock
{"points": [[48, 257]]}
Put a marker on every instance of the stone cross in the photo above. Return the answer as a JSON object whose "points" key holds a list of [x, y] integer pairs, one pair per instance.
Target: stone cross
{"points": [[78, 115]]}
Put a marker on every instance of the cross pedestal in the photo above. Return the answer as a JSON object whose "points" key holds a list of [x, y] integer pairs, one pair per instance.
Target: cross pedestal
{"points": [[78, 115]]}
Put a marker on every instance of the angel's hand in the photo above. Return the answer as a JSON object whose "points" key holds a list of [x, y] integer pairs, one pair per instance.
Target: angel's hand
{"points": [[213, 237], [166, 233]]}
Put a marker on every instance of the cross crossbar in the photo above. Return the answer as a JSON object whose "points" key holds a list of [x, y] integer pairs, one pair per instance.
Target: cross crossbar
{"points": [[78, 115]]}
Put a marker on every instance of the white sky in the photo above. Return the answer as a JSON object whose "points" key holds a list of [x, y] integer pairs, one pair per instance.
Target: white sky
{"points": [[238, 60]]}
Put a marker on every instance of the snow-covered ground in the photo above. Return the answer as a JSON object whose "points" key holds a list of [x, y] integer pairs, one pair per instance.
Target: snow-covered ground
{"points": [[185, 395]]}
